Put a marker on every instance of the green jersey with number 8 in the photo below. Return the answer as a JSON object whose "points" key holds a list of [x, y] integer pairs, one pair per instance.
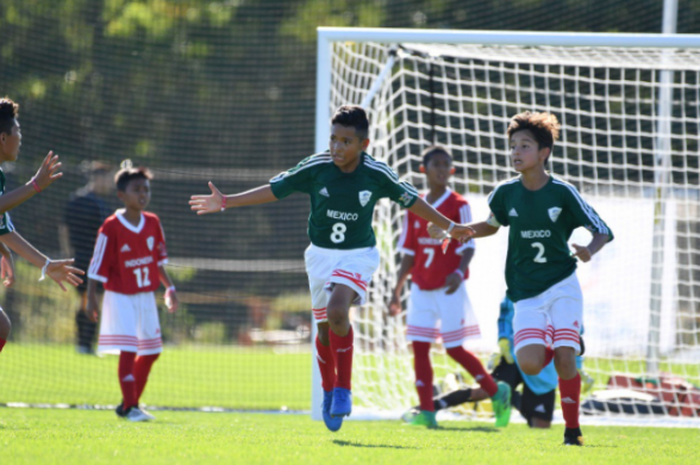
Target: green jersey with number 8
{"points": [[541, 223], [342, 204]]}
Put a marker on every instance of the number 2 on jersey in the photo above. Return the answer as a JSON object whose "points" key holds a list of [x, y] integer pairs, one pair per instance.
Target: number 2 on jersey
{"points": [[142, 277], [540, 258]]}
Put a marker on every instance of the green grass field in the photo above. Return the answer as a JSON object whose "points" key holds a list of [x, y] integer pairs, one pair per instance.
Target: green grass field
{"points": [[241, 378], [37, 436]]}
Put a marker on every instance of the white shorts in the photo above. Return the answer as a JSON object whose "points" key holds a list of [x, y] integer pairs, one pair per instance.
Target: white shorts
{"points": [[328, 267], [129, 323], [554, 317], [433, 314]]}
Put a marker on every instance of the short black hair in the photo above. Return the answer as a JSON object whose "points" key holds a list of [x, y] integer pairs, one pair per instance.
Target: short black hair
{"points": [[353, 116], [433, 150], [9, 111], [128, 173]]}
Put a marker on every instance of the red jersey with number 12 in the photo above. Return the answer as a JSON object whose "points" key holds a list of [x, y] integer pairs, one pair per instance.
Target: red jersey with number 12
{"points": [[430, 266], [127, 257]]}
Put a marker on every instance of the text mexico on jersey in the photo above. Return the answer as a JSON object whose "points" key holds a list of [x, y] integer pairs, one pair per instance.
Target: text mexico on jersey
{"points": [[127, 257]]}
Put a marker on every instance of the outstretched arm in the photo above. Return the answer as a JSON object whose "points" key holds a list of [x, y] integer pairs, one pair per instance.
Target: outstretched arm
{"points": [[58, 270], [427, 212], [43, 178], [216, 202]]}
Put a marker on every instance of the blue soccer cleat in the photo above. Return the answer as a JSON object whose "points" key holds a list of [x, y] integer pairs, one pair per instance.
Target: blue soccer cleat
{"points": [[332, 423], [342, 402]]}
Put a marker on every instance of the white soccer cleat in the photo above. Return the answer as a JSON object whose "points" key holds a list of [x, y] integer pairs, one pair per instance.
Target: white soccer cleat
{"points": [[136, 414]]}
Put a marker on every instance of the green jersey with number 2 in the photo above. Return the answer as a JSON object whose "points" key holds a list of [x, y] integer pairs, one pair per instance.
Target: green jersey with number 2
{"points": [[342, 204], [541, 223]]}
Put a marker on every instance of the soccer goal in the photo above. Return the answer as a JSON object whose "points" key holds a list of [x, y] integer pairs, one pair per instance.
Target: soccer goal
{"points": [[629, 106]]}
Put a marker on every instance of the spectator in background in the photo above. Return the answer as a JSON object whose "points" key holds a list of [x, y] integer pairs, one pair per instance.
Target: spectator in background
{"points": [[85, 212]]}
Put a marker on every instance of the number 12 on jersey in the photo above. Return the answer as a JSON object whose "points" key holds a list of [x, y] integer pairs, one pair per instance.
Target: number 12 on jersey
{"points": [[142, 277]]}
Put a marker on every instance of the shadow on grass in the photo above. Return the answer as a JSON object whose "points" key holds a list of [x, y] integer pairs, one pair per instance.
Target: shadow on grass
{"points": [[369, 446], [478, 429]]}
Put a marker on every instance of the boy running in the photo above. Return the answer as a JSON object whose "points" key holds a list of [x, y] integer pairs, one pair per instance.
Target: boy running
{"points": [[58, 270], [439, 304], [129, 260], [542, 212], [343, 184]]}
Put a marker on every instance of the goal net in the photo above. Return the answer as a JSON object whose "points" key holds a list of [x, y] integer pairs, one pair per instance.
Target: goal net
{"points": [[630, 125]]}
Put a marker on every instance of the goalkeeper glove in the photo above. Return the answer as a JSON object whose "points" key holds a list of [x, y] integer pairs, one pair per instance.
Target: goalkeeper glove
{"points": [[504, 345]]}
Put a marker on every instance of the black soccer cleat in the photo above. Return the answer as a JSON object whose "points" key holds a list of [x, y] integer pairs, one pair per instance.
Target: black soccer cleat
{"points": [[120, 410], [573, 437]]}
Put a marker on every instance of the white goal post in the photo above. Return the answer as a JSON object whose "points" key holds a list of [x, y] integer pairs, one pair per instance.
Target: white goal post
{"points": [[629, 105]]}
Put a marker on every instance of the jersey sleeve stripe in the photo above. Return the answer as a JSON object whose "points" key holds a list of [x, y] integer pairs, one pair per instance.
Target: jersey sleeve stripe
{"points": [[311, 163], [391, 175], [504, 183], [98, 255], [595, 219]]}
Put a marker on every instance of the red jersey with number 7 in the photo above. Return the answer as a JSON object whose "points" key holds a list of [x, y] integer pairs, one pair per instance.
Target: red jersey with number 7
{"points": [[127, 257], [430, 266]]}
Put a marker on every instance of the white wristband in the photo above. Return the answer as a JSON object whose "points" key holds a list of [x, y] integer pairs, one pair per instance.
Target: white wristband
{"points": [[460, 273], [43, 270], [172, 289], [450, 227]]}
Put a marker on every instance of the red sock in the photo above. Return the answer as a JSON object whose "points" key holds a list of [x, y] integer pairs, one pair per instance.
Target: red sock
{"points": [[326, 364], [342, 348], [548, 356], [475, 368], [142, 367], [570, 391], [2, 343], [126, 378], [424, 375]]}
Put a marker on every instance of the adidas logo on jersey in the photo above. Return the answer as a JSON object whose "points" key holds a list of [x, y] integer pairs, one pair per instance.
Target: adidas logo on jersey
{"points": [[420, 383], [540, 408], [126, 248], [324, 192], [568, 400], [512, 212]]}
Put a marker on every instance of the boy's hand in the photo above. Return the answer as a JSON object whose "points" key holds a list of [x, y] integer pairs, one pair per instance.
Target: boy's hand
{"points": [[91, 310], [204, 204], [460, 232], [171, 300], [395, 305], [452, 282], [60, 270], [7, 271], [582, 253], [48, 171]]}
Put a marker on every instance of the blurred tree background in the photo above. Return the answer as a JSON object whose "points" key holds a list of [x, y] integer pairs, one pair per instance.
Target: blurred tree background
{"points": [[200, 90]]}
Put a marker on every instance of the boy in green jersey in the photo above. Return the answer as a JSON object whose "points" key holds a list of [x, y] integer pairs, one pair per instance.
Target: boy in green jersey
{"points": [[343, 184], [58, 270], [542, 212]]}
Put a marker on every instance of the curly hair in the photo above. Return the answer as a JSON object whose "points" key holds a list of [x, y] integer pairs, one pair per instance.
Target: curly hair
{"points": [[543, 126], [9, 111]]}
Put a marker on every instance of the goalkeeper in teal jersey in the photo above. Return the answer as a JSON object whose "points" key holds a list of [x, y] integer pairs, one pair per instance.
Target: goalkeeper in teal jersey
{"points": [[542, 211], [343, 184]]}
